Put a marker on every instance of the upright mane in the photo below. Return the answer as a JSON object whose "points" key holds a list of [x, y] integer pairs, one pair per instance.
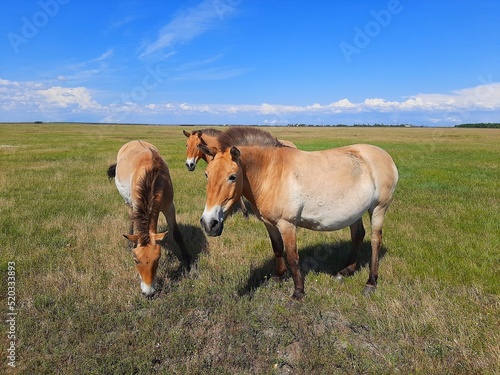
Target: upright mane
{"points": [[149, 188], [210, 131], [247, 136]]}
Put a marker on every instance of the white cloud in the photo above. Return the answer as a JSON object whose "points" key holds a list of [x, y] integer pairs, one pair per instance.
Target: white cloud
{"points": [[32, 96], [63, 97], [29, 97]]}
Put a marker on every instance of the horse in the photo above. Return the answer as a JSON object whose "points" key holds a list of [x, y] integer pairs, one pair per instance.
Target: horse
{"points": [[143, 180], [288, 188], [195, 138], [206, 137]]}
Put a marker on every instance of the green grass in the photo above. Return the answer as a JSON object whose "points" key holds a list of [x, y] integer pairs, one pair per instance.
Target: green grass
{"points": [[79, 304]]}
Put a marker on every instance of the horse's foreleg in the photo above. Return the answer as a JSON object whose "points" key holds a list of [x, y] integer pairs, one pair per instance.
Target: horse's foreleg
{"points": [[243, 207], [277, 244], [172, 223], [131, 245], [357, 236], [131, 218], [289, 235]]}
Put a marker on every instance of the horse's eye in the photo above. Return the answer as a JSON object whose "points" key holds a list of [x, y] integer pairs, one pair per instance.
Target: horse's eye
{"points": [[233, 177], [206, 175], [136, 260]]}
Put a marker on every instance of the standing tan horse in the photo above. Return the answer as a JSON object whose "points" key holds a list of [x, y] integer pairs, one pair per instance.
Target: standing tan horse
{"points": [[143, 180], [289, 188]]}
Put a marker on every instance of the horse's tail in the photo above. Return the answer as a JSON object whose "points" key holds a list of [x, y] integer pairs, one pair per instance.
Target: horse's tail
{"points": [[112, 171]]}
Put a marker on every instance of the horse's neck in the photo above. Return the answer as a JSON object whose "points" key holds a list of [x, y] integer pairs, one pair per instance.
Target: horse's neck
{"points": [[152, 215], [206, 157], [259, 166]]}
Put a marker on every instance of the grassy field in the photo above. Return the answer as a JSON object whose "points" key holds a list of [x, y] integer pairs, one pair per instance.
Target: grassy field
{"points": [[80, 310]]}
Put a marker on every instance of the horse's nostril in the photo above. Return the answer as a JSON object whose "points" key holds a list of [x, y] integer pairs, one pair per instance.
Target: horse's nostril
{"points": [[213, 224]]}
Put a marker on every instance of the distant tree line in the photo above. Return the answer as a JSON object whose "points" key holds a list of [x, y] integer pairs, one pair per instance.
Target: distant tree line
{"points": [[357, 125], [479, 125]]}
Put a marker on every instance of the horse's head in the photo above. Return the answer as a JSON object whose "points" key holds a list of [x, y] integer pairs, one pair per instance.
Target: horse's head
{"points": [[224, 187], [193, 153], [146, 256]]}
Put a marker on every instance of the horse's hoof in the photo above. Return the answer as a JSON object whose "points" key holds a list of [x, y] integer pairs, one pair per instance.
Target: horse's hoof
{"points": [[368, 290], [298, 295], [339, 278]]}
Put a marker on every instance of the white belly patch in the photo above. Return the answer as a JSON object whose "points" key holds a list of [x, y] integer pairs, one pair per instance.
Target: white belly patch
{"points": [[124, 189]]}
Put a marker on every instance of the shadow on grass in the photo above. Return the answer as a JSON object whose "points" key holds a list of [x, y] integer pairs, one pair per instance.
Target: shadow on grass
{"points": [[196, 243], [323, 258]]}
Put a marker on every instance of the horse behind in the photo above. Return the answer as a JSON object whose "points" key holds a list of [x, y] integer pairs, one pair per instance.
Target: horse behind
{"points": [[289, 188], [143, 180], [195, 138], [207, 137]]}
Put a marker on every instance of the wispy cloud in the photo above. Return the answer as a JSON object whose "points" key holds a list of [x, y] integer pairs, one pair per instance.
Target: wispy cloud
{"points": [[185, 26], [81, 72], [119, 23], [210, 74]]}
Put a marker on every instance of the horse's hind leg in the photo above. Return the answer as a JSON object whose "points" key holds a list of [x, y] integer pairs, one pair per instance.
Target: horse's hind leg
{"points": [[357, 236], [289, 235], [172, 223], [377, 220]]}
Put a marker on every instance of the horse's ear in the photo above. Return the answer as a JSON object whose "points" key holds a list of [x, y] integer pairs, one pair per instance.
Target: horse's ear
{"points": [[235, 153], [199, 133], [134, 238], [159, 236], [207, 150], [186, 133]]}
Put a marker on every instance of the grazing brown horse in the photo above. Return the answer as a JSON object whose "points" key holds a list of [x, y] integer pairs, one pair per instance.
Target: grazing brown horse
{"points": [[143, 180], [289, 188]]}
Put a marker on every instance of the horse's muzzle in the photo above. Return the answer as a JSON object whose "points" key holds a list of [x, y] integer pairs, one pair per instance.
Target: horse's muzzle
{"points": [[191, 164], [212, 227], [212, 221]]}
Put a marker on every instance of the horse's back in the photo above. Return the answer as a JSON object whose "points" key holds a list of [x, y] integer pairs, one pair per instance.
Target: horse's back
{"points": [[332, 188], [133, 160]]}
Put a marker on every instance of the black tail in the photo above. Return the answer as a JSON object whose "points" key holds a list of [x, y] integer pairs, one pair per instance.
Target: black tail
{"points": [[112, 171]]}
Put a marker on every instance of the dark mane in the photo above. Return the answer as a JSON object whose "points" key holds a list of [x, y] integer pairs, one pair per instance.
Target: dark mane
{"points": [[247, 136], [211, 132], [149, 188]]}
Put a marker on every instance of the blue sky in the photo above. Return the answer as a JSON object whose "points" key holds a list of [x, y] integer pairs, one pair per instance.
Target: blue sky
{"points": [[433, 63]]}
